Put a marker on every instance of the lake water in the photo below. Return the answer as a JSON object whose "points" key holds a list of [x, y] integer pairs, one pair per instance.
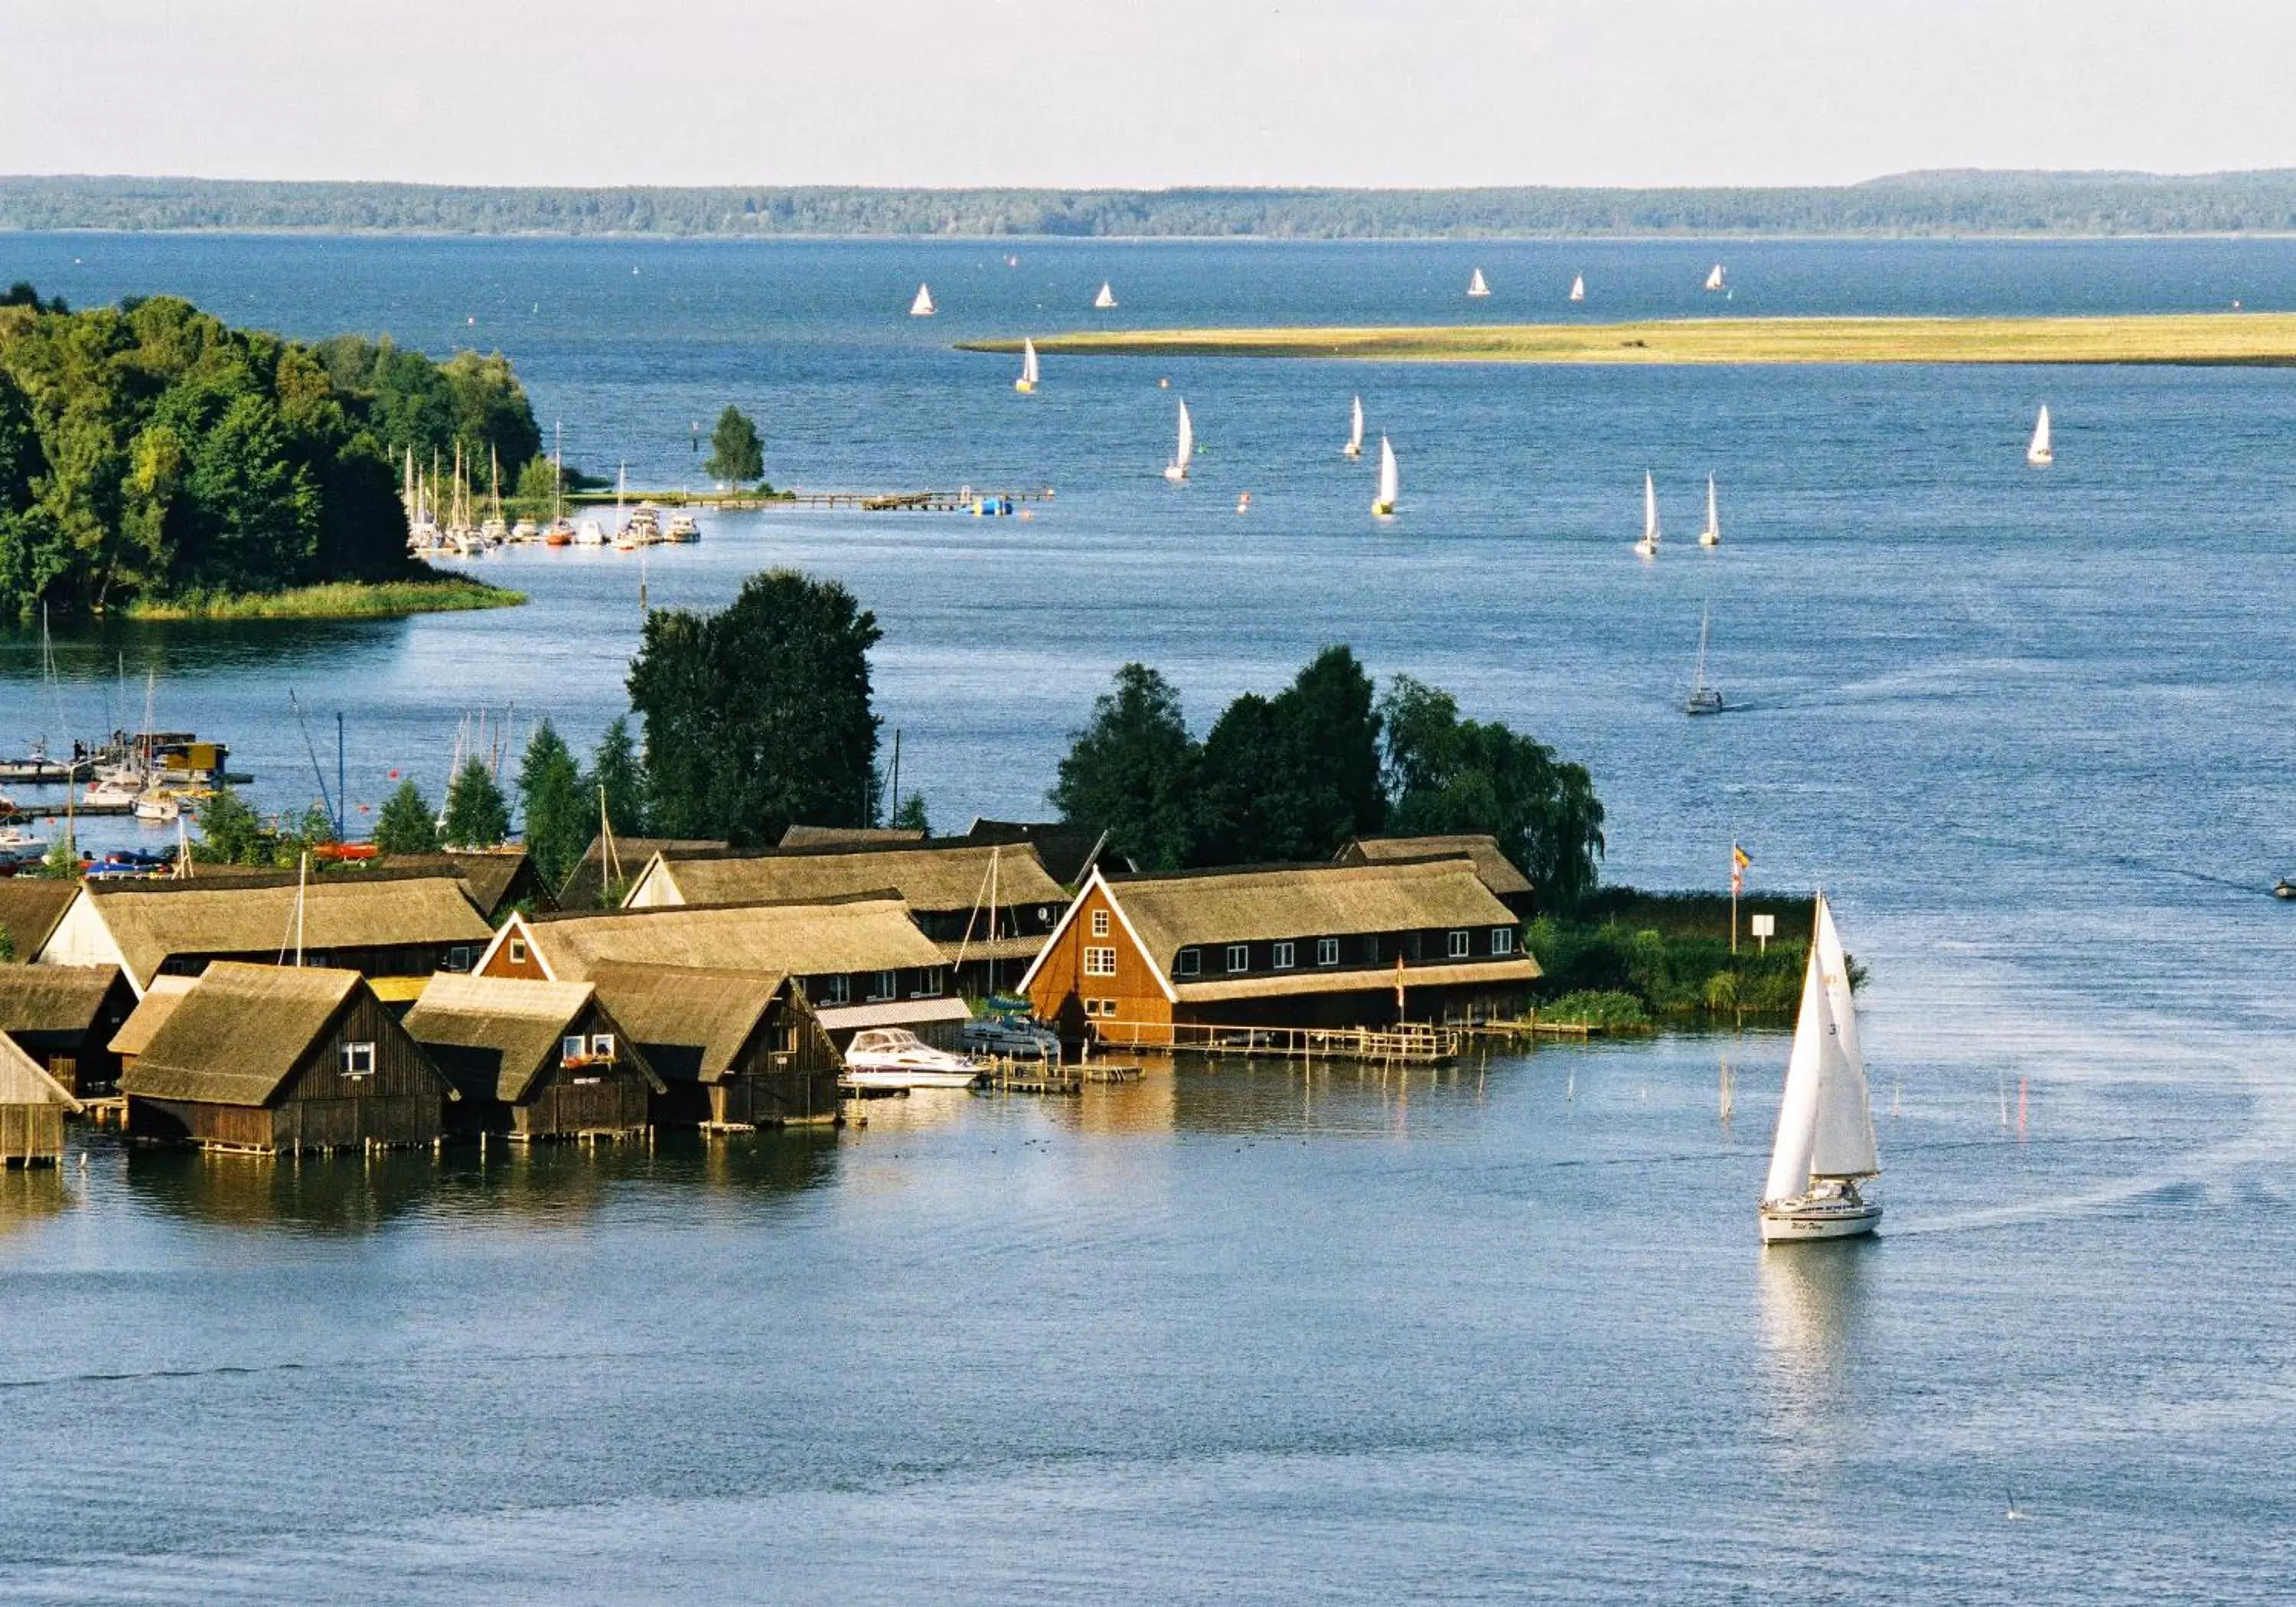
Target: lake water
{"points": [[1240, 1334]]}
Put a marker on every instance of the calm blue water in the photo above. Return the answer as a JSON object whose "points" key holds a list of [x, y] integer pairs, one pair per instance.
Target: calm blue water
{"points": [[1239, 1336]]}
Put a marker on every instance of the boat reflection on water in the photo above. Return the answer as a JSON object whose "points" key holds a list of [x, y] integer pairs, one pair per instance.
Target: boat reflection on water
{"points": [[1813, 1317]]}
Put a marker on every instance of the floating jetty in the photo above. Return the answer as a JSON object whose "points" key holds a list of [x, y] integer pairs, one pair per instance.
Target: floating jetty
{"points": [[965, 499]]}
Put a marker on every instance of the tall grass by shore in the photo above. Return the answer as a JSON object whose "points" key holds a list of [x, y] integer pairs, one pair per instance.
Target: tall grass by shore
{"points": [[2197, 339], [335, 600]]}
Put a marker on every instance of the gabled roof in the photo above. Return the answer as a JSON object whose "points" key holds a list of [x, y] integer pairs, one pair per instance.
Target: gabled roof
{"points": [[30, 908], [931, 876], [55, 998], [712, 1012], [489, 875], [586, 883], [237, 1033], [1501, 874], [1067, 852], [152, 920], [24, 1081], [1198, 909], [157, 1003], [873, 932], [826, 837], [521, 1023]]}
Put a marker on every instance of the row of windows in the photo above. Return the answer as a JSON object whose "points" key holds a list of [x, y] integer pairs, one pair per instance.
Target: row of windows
{"points": [[837, 988], [600, 1047], [1101, 1007], [1458, 944]]}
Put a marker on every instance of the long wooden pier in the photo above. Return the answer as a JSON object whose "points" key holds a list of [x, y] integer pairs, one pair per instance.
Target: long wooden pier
{"points": [[965, 499], [1411, 1043]]}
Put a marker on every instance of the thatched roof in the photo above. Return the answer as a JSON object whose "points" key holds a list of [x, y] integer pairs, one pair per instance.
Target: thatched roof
{"points": [[238, 1034], [490, 876], [152, 1011], [1067, 852], [1201, 908], [24, 1081], [692, 1021], [152, 920], [803, 938], [1518, 971], [586, 883], [1501, 874], [831, 837], [934, 877], [516, 1024], [59, 999], [30, 908]]}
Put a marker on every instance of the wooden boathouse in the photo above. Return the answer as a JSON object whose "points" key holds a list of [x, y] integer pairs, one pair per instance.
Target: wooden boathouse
{"points": [[279, 1060], [533, 1060], [1499, 874], [1166, 961], [32, 1109], [736, 1048], [64, 1017]]}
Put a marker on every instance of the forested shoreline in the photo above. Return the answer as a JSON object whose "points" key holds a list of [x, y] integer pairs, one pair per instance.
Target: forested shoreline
{"points": [[1933, 203]]}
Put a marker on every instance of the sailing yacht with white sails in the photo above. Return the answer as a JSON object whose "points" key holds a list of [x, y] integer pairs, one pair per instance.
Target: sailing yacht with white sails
{"points": [[1703, 699], [1176, 470], [1476, 287], [1028, 380], [1714, 280], [2040, 454], [1578, 287], [1354, 448], [1106, 300], [922, 307], [1825, 1145], [1647, 546], [1712, 536], [1390, 482]]}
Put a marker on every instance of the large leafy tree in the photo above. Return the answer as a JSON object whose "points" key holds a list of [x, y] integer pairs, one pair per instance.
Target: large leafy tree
{"points": [[1291, 777], [736, 454], [478, 814], [230, 831], [759, 716], [559, 819], [1132, 771]]}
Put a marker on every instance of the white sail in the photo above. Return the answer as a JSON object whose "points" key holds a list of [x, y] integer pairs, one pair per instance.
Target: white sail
{"points": [[1390, 481], [1177, 469], [1650, 510], [1106, 299], [1578, 287], [1789, 1151], [1712, 536], [1354, 448], [2041, 451], [1028, 380], [1476, 287], [1714, 278], [922, 307], [1843, 1142]]}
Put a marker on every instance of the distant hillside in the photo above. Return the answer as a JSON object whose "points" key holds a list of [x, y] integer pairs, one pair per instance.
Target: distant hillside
{"points": [[1909, 203]]}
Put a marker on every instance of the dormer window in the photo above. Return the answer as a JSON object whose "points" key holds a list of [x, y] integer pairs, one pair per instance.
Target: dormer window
{"points": [[1239, 957], [1190, 962], [1502, 939], [1461, 943]]}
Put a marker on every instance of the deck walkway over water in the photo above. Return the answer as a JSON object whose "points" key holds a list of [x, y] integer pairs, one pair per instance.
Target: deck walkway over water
{"points": [[961, 500]]}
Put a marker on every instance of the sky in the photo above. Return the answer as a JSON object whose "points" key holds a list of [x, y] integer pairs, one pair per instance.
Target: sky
{"points": [[1148, 93]]}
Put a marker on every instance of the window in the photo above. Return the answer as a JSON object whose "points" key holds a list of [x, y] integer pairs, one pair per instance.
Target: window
{"points": [[1327, 951], [359, 1059], [572, 1049], [887, 986], [836, 990], [601, 1047], [1099, 924], [1502, 939], [1239, 956], [1459, 945], [1107, 1008], [1190, 962], [1100, 1007], [927, 984], [458, 958], [1370, 950], [517, 951], [1284, 956], [1099, 961]]}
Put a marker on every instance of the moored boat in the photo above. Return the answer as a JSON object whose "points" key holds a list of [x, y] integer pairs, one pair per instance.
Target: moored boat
{"points": [[683, 526], [895, 1058], [1824, 1146]]}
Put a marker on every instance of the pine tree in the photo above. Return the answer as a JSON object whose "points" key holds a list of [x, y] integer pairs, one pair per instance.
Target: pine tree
{"points": [[616, 770], [478, 814], [558, 817], [407, 824]]}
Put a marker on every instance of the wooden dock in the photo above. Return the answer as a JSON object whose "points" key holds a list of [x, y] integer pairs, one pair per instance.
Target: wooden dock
{"points": [[965, 499], [1411, 1043]]}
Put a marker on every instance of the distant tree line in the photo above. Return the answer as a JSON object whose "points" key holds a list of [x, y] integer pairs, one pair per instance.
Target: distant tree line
{"points": [[148, 450], [1911, 203]]}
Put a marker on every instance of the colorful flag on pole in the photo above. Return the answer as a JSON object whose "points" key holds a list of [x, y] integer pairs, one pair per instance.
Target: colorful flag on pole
{"points": [[1739, 860]]}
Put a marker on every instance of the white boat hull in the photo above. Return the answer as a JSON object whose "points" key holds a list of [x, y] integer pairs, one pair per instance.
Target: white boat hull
{"points": [[897, 1078], [1175, 473], [1708, 538], [1791, 1220]]}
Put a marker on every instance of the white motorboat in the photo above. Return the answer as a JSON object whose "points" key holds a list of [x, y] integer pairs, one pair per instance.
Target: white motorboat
{"points": [[1648, 546], [894, 1057], [1176, 470], [922, 307], [2040, 454], [1824, 1146], [1106, 299], [1712, 536], [1390, 482], [592, 534], [159, 806], [1029, 371], [525, 531], [682, 527], [1476, 287], [1354, 448], [19, 847]]}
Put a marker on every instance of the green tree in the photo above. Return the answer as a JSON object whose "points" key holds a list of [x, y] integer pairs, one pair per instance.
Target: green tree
{"points": [[478, 814], [910, 815], [1132, 771], [407, 824], [559, 818], [1293, 777], [1444, 774], [759, 714], [230, 831], [618, 773], [736, 454], [61, 863]]}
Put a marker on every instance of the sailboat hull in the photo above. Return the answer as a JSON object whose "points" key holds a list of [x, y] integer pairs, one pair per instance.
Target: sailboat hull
{"points": [[1788, 1221], [1175, 473], [1024, 385]]}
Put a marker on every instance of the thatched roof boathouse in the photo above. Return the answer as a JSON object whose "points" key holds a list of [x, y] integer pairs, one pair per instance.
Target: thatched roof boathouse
{"points": [[737, 1048], [277, 1060], [32, 1109], [64, 1017], [534, 1060]]}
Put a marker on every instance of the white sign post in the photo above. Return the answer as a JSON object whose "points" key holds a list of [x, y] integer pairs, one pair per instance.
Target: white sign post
{"points": [[1766, 927]]}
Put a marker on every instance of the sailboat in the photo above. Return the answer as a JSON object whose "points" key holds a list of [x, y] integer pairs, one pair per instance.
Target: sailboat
{"points": [[2040, 454], [1106, 299], [1176, 470], [1648, 546], [1391, 484], [1712, 536], [1354, 448], [626, 537], [922, 307], [1824, 1146], [1028, 380], [1578, 287], [1703, 699], [1475, 285], [1714, 278]]}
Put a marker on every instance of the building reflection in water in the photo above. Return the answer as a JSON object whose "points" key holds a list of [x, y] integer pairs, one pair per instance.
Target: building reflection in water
{"points": [[32, 1195]]}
